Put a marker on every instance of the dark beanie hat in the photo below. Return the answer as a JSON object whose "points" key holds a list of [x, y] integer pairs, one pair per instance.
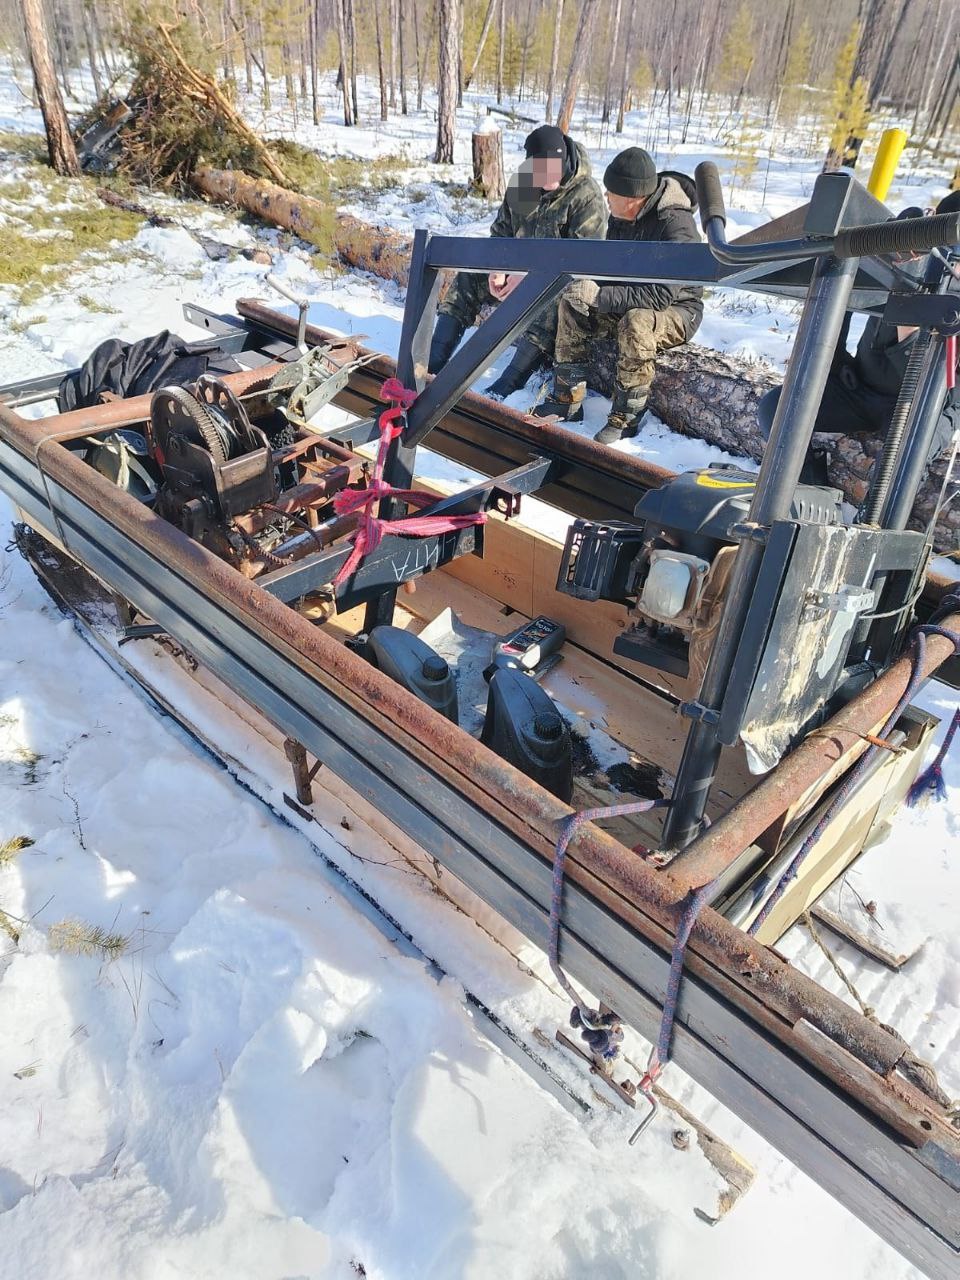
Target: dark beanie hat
{"points": [[950, 203], [632, 174], [546, 141]]}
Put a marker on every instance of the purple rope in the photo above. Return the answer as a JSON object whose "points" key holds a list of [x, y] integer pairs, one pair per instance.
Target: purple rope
{"points": [[695, 902], [853, 778], [601, 1031], [930, 785]]}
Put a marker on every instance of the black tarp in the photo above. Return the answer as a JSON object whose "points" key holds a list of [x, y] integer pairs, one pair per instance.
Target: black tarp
{"points": [[133, 369]]}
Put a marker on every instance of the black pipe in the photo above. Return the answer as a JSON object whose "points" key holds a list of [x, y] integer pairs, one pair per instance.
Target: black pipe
{"points": [[783, 458], [880, 485], [920, 431]]}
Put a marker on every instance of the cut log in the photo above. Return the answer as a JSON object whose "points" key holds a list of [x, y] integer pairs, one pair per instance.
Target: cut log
{"points": [[697, 391], [488, 176], [380, 250]]}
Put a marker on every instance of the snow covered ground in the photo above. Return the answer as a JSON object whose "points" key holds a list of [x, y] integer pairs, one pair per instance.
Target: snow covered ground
{"points": [[253, 1081]]}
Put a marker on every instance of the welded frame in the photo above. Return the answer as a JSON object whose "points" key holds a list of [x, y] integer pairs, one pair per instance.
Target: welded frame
{"points": [[756, 1034]]}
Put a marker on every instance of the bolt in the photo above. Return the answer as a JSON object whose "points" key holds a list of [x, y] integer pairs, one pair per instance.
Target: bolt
{"points": [[680, 1139]]}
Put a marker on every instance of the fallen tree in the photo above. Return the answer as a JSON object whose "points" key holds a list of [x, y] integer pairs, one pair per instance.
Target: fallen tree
{"points": [[700, 392]]}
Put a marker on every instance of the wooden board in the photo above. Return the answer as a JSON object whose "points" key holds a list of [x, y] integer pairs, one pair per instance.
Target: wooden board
{"points": [[864, 817], [519, 568]]}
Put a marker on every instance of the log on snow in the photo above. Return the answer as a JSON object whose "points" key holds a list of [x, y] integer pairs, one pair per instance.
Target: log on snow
{"points": [[697, 391], [381, 250]]}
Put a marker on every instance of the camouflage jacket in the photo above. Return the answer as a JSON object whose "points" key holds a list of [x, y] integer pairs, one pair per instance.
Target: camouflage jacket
{"points": [[575, 211]]}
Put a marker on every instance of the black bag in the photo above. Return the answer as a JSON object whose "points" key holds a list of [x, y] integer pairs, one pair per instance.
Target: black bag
{"points": [[132, 369]]}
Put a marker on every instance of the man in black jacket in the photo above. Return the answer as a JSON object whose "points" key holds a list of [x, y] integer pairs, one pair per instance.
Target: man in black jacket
{"points": [[645, 318], [862, 389]]}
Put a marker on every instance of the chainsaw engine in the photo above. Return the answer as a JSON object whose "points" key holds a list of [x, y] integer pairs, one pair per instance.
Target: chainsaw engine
{"points": [[831, 605], [671, 569]]}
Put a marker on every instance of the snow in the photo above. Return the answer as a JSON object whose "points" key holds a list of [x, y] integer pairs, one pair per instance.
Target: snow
{"points": [[264, 1083]]}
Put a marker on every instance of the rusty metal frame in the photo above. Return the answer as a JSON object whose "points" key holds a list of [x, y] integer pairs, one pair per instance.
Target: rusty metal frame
{"points": [[811, 1075]]}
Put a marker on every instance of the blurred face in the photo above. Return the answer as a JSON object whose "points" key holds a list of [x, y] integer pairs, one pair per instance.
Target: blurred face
{"points": [[626, 207], [546, 172]]}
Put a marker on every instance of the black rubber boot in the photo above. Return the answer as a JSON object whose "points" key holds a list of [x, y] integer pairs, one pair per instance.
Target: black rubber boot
{"points": [[569, 391], [626, 412], [527, 359], [446, 335]]}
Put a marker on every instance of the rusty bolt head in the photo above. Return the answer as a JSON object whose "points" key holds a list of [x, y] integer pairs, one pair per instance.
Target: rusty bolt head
{"points": [[680, 1139]]}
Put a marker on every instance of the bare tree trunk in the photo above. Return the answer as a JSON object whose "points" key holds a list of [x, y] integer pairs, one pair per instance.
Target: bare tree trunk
{"points": [[63, 154], [302, 59], [460, 53], [525, 50], [352, 37], [554, 60], [577, 63], [341, 20], [890, 46], [314, 78], [449, 29], [501, 40], [380, 68], [287, 55], [92, 55], [488, 165], [481, 43], [626, 65], [401, 15], [614, 39], [392, 14], [416, 38], [263, 65], [97, 33]]}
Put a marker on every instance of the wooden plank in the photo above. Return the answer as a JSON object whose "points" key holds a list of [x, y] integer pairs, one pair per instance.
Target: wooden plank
{"points": [[863, 816], [519, 568]]}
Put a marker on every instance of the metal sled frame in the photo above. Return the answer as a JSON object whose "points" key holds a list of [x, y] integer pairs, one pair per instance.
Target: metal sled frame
{"points": [[812, 1076]]}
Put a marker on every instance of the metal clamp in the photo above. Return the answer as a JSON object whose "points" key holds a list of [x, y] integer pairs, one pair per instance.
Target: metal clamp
{"points": [[697, 711], [749, 531], [847, 599]]}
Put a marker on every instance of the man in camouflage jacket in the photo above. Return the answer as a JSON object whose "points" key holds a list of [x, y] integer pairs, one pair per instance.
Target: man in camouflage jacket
{"points": [[554, 196]]}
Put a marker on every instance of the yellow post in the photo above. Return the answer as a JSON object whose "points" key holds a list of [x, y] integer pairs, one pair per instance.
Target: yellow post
{"points": [[885, 165]]}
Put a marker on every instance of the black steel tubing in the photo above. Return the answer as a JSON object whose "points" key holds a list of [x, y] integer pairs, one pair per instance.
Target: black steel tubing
{"points": [[921, 426], [779, 476]]}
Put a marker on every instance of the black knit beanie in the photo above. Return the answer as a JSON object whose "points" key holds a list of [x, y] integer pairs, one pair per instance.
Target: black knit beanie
{"points": [[544, 142], [631, 174]]}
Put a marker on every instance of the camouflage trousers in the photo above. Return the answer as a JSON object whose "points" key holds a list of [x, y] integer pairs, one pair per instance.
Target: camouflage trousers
{"points": [[469, 293], [640, 335]]}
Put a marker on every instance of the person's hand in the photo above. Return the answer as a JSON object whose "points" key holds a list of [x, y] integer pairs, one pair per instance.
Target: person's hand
{"points": [[501, 285], [582, 295]]}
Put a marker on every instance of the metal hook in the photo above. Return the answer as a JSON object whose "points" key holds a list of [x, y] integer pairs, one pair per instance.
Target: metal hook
{"points": [[654, 1067], [648, 1118]]}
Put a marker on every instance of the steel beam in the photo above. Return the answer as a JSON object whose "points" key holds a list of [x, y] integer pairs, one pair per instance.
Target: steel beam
{"points": [[745, 1018]]}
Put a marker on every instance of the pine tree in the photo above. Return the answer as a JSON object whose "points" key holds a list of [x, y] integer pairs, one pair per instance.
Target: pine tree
{"points": [[737, 55], [63, 154], [796, 72], [848, 111]]}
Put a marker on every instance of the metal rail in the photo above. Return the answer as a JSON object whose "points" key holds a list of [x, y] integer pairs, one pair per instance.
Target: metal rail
{"points": [[809, 1074]]}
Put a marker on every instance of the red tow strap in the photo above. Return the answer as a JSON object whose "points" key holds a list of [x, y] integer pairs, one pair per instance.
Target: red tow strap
{"points": [[367, 537]]}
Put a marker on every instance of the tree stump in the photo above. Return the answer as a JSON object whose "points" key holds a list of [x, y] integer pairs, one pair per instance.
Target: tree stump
{"points": [[488, 176]]}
